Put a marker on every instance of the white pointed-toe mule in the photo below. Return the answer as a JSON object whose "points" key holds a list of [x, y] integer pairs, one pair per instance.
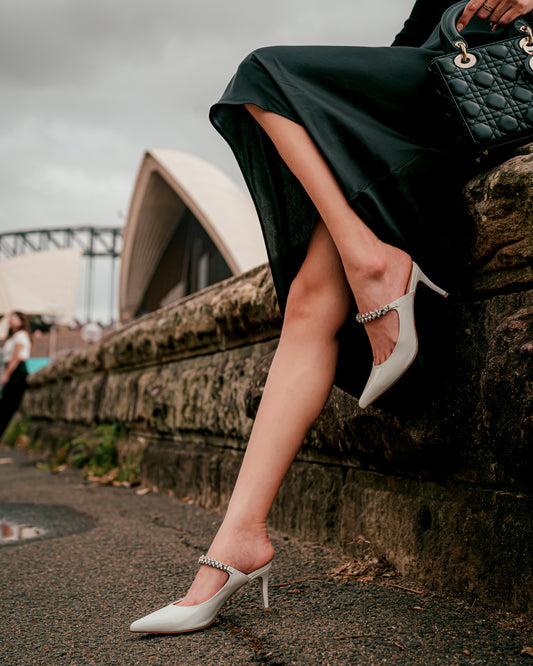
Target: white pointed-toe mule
{"points": [[174, 619], [384, 375]]}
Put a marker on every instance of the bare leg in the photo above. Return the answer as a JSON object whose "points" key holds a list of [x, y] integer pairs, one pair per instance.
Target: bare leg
{"points": [[298, 385], [342, 251], [377, 272]]}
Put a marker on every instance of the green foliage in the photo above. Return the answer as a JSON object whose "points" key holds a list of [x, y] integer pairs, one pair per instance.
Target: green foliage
{"points": [[18, 427], [104, 457], [95, 453], [130, 473]]}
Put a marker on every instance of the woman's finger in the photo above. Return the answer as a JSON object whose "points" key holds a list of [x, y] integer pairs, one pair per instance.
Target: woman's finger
{"points": [[509, 11], [480, 7], [501, 11]]}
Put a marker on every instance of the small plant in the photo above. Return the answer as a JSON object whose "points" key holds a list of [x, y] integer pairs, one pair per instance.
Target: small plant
{"points": [[18, 427], [95, 453], [104, 458], [62, 453], [129, 473]]}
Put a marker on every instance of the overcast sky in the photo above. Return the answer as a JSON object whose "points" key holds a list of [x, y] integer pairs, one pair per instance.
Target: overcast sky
{"points": [[87, 87]]}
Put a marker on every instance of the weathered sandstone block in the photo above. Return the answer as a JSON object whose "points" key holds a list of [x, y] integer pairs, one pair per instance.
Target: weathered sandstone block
{"points": [[500, 205], [450, 537], [507, 396]]}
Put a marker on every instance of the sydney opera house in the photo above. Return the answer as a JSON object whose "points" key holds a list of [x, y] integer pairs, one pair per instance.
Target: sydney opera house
{"points": [[188, 226]]}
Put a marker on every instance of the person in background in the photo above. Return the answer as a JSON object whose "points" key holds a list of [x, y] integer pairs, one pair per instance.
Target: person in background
{"points": [[16, 351]]}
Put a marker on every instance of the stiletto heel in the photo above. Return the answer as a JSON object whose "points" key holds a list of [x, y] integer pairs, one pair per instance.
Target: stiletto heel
{"points": [[264, 589], [423, 278], [384, 375], [174, 619]]}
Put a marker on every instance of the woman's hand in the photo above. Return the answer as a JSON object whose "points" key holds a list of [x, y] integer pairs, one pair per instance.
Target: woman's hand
{"points": [[4, 378], [498, 12]]}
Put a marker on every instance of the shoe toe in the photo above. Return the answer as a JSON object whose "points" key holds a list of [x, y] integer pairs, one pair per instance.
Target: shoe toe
{"points": [[163, 620], [138, 625], [173, 619]]}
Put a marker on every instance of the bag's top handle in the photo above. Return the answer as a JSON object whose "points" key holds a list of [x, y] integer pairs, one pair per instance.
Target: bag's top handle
{"points": [[449, 35]]}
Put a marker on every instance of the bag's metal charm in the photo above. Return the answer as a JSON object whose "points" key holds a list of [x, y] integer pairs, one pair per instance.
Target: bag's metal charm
{"points": [[464, 60], [527, 42]]}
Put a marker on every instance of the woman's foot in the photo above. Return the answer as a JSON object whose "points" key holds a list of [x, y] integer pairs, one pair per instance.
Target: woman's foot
{"points": [[385, 280], [245, 550]]}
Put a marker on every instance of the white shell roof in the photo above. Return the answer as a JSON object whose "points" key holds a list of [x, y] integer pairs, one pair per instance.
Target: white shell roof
{"points": [[226, 213]]}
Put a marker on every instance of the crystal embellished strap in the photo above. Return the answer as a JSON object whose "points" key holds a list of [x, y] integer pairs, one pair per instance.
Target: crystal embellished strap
{"points": [[210, 562], [364, 317]]}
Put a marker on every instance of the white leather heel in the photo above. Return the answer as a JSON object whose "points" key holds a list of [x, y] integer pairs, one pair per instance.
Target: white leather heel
{"points": [[423, 278], [384, 375], [264, 588], [174, 619]]}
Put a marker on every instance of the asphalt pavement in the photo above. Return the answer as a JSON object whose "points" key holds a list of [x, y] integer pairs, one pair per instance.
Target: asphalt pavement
{"points": [[106, 556]]}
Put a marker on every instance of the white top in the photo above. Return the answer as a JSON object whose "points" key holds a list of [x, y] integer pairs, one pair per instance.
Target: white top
{"points": [[18, 338]]}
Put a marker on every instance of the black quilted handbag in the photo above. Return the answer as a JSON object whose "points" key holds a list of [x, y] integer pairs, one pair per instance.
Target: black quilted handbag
{"points": [[485, 92]]}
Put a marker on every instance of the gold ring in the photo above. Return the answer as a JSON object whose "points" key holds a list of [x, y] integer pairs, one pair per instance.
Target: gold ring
{"points": [[487, 8]]}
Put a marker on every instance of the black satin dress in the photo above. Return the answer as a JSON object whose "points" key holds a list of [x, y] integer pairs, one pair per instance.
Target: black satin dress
{"points": [[370, 114]]}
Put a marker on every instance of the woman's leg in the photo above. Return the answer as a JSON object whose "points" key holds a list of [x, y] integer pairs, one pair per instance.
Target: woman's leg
{"points": [[377, 273], [12, 394], [298, 385], [343, 253]]}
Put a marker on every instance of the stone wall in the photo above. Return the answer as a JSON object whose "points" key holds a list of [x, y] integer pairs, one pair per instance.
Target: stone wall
{"points": [[437, 477]]}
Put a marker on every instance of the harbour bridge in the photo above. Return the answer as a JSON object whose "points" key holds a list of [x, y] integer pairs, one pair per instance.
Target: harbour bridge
{"points": [[95, 243]]}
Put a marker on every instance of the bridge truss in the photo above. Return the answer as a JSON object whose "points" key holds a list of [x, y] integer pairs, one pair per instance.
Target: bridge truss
{"points": [[95, 242]]}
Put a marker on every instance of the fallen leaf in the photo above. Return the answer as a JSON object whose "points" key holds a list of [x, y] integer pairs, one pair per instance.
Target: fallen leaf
{"points": [[6, 461], [365, 568], [142, 491], [107, 479], [527, 652], [6, 531]]}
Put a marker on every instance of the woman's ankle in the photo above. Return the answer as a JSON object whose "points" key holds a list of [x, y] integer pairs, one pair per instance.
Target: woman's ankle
{"points": [[243, 548]]}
